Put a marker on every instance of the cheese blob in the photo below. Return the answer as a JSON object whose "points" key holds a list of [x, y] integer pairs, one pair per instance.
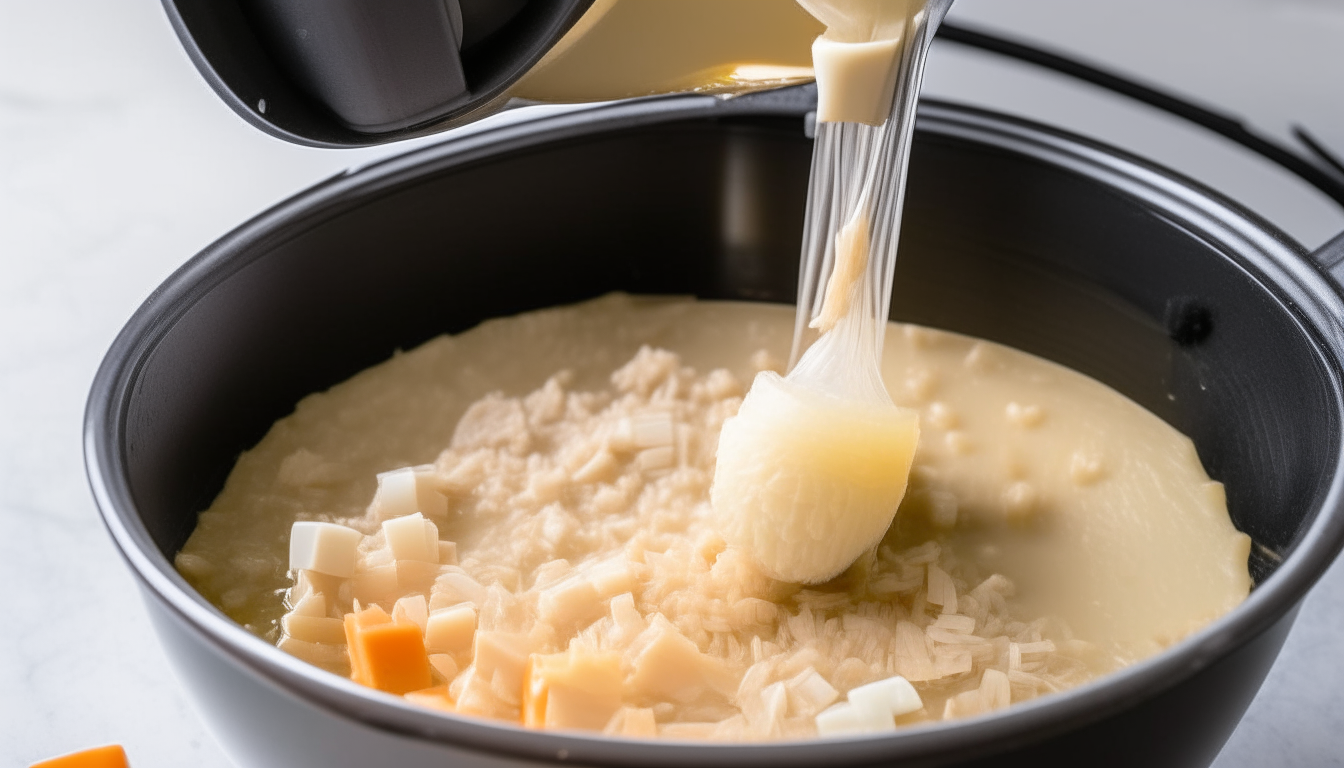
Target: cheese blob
{"points": [[857, 59], [808, 481]]}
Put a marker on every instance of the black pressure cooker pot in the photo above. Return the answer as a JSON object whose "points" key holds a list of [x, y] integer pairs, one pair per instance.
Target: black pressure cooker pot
{"points": [[1190, 305]]}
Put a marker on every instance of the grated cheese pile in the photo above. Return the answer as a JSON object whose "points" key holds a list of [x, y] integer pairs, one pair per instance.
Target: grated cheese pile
{"points": [[557, 567]]}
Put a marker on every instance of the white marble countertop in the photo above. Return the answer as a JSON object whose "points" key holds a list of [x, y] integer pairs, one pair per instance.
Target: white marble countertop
{"points": [[117, 163]]}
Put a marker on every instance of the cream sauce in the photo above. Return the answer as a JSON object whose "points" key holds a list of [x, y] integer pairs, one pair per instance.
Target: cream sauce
{"points": [[1098, 512]]}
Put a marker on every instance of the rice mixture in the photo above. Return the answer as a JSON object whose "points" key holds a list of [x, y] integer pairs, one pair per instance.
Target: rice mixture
{"points": [[546, 555]]}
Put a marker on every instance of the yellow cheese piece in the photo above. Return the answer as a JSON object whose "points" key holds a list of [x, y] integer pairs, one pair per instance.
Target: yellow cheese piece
{"points": [[376, 584], [434, 698], [806, 481], [444, 665], [412, 538], [501, 660], [313, 629], [324, 548], [571, 601], [451, 630], [571, 690], [632, 721], [666, 664], [112, 756], [412, 609], [409, 490], [386, 655]]}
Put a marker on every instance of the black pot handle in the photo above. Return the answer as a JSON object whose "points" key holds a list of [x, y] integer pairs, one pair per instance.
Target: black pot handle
{"points": [[1320, 168]]}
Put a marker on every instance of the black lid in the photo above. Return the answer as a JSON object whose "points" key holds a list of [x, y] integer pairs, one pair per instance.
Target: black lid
{"points": [[353, 73]]}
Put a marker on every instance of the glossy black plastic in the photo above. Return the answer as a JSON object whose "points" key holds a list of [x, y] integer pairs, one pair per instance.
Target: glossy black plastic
{"points": [[342, 73], [1194, 308]]}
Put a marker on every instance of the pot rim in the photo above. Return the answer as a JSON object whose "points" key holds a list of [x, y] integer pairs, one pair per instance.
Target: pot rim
{"points": [[1266, 254]]}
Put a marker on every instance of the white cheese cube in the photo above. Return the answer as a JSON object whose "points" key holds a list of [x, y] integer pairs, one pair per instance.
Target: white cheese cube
{"points": [[809, 693], [894, 696], [774, 705], [652, 430], [501, 658], [313, 604], [622, 438], [451, 630], [378, 584], [323, 655], [572, 690], [307, 583], [573, 599], [845, 718], [627, 617], [434, 698], [611, 577], [953, 622], [416, 576], [448, 552], [412, 538], [1044, 646], [323, 547], [396, 496], [454, 587], [666, 664], [313, 629], [406, 491], [996, 691], [600, 467], [947, 663], [654, 459], [632, 721], [444, 665], [411, 610], [941, 590]]}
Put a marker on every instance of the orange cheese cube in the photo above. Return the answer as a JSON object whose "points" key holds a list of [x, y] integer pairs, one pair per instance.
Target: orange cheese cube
{"points": [[99, 757], [386, 655], [571, 690]]}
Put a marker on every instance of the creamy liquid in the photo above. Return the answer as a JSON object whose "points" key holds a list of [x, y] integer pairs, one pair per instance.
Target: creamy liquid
{"points": [[1098, 512], [625, 48]]}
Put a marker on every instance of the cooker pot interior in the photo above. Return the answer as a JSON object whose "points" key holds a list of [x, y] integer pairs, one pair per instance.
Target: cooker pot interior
{"points": [[996, 243]]}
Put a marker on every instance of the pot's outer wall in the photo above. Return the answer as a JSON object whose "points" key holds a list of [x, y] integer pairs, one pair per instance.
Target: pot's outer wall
{"points": [[261, 725], [1012, 233]]}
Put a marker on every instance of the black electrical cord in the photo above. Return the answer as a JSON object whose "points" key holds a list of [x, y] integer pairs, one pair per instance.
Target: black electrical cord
{"points": [[1329, 180], [1318, 148]]}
